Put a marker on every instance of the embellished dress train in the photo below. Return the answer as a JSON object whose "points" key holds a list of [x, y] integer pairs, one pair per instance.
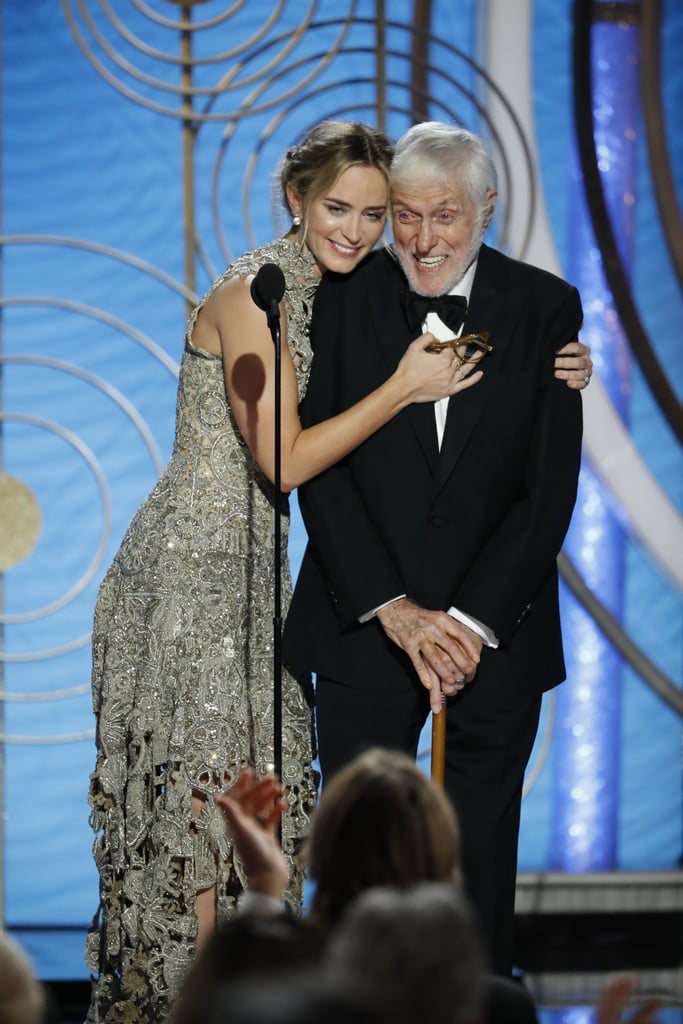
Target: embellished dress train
{"points": [[183, 682]]}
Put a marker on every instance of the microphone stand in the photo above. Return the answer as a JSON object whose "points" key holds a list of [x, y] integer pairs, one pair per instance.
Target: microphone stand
{"points": [[273, 314], [267, 288]]}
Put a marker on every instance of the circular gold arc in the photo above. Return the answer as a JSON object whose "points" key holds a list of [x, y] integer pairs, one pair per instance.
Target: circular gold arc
{"points": [[108, 390], [97, 314], [41, 741], [199, 116], [183, 25], [104, 250], [168, 58], [292, 38], [276, 121]]}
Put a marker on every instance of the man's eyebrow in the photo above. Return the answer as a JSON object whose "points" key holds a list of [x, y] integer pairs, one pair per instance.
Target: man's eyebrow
{"points": [[446, 204]]}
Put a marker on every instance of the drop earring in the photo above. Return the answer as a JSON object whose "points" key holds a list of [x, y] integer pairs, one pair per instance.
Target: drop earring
{"points": [[296, 221]]}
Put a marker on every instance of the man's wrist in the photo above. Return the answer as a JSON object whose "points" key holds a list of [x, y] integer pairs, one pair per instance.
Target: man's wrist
{"points": [[480, 628], [262, 903], [371, 614]]}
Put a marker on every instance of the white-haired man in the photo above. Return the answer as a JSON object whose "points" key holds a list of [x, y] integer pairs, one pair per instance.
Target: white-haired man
{"points": [[431, 564]]}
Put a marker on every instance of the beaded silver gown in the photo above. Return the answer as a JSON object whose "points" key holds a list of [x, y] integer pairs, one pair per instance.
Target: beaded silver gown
{"points": [[183, 682]]}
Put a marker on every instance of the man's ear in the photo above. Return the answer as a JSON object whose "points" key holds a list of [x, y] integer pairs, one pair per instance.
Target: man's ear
{"points": [[490, 202]]}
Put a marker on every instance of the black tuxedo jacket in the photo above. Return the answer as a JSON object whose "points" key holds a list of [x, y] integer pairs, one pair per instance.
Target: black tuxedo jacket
{"points": [[478, 524]]}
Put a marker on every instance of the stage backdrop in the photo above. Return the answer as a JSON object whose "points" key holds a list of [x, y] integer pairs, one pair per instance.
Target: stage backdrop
{"points": [[128, 182]]}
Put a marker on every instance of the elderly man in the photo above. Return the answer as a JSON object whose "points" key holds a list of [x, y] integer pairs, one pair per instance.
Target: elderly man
{"points": [[431, 572]]}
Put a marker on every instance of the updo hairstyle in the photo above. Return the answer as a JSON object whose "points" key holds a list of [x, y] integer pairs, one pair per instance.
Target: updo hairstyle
{"points": [[315, 164]]}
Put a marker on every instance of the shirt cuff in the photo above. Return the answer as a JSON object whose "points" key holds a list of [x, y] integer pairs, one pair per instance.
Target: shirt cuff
{"points": [[371, 614], [488, 636], [260, 903]]}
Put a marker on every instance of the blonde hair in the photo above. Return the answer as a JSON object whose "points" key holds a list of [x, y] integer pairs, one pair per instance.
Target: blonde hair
{"points": [[380, 821], [313, 166]]}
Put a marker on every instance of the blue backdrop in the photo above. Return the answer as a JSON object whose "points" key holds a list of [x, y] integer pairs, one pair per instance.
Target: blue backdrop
{"points": [[93, 310]]}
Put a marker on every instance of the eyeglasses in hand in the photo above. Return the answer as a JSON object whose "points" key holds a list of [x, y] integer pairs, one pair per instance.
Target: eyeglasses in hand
{"points": [[469, 348]]}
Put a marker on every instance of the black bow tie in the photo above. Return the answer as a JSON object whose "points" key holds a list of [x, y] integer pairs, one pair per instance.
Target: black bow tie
{"points": [[452, 309]]}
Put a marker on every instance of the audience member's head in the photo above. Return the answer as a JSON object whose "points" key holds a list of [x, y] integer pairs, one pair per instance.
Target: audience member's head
{"points": [[380, 821], [418, 948], [247, 946], [21, 994], [300, 998]]}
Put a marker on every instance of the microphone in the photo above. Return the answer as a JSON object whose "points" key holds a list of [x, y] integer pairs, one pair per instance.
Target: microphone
{"points": [[267, 289]]}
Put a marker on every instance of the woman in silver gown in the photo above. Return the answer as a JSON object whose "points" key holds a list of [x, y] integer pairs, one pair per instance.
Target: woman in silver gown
{"points": [[183, 632], [182, 640]]}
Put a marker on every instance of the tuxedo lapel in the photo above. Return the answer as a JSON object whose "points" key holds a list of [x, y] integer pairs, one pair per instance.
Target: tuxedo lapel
{"points": [[393, 334], [495, 309]]}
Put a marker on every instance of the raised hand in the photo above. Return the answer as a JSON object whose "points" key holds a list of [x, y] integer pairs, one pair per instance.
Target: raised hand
{"points": [[252, 808], [615, 997]]}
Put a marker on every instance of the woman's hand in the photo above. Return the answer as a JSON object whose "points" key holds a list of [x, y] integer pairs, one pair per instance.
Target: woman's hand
{"points": [[253, 808], [429, 376], [574, 365]]}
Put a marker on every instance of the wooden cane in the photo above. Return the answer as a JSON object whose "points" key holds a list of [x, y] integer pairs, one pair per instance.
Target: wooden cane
{"points": [[439, 745]]}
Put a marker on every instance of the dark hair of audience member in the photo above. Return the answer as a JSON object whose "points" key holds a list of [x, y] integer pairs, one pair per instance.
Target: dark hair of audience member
{"points": [[245, 947], [305, 997]]}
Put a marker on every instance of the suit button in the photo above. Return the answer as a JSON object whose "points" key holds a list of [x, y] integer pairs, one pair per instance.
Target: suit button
{"points": [[438, 521], [525, 612]]}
